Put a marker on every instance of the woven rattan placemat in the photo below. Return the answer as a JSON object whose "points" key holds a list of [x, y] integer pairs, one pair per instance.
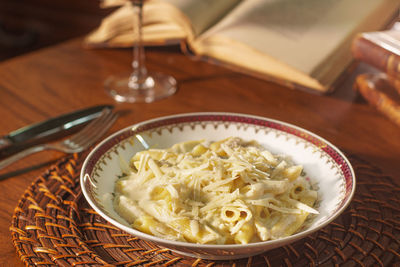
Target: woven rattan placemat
{"points": [[53, 225]]}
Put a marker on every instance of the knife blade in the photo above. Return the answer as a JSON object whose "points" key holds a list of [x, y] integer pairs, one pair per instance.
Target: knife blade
{"points": [[33, 133]]}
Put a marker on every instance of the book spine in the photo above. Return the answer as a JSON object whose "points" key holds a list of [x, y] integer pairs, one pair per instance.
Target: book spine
{"points": [[380, 91], [377, 56], [394, 83]]}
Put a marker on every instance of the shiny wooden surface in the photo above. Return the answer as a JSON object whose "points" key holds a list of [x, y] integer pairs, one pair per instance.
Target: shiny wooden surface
{"points": [[66, 77]]}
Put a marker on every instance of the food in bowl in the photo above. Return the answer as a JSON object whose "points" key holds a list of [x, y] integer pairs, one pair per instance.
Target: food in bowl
{"points": [[330, 171], [230, 191]]}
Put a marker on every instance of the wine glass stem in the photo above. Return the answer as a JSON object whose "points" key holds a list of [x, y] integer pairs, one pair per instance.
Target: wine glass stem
{"points": [[139, 74]]}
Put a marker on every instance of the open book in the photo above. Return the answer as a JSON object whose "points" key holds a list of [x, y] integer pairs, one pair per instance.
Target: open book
{"points": [[300, 43]]}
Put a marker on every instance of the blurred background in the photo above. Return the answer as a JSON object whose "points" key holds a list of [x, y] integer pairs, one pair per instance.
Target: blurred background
{"points": [[27, 25]]}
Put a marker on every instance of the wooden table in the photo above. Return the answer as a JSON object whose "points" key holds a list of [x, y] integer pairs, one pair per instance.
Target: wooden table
{"points": [[66, 77]]}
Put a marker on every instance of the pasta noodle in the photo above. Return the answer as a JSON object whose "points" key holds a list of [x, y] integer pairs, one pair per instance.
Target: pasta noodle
{"points": [[225, 192]]}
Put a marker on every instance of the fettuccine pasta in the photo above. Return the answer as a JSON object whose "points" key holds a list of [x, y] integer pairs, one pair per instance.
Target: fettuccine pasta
{"points": [[225, 192]]}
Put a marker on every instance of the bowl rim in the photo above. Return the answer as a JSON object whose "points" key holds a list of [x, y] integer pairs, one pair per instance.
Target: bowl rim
{"points": [[306, 135]]}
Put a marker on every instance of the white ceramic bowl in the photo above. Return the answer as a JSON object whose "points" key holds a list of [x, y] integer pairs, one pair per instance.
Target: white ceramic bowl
{"points": [[323, 163]]}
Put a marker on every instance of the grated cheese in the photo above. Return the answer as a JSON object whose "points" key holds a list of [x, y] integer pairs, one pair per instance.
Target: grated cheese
{"points": [[230, 191]]}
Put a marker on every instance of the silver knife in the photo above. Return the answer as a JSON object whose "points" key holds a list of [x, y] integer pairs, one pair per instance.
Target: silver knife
{"points": [[31, 134]]}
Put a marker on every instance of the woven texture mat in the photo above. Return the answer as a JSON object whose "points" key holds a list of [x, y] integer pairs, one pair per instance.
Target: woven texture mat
{"points": [[53, 225]]}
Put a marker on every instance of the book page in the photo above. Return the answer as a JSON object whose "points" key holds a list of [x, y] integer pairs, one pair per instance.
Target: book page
{"points": [[204, 13], [301, 33], [164, 21], [389, 40]]}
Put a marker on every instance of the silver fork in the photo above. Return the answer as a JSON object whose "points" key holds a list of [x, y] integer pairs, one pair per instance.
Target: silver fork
{"points": [[76, 143]]}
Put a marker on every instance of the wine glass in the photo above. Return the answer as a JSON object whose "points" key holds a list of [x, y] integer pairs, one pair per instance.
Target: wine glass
{"points": [[140, 85]]}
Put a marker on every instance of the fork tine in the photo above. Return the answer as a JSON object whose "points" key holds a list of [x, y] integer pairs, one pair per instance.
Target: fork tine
{"points": [[88, 129], [97, 130], [105, 126]]}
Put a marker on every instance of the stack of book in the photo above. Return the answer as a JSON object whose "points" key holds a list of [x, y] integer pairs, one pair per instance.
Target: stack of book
{"points": [[382, 88], [303, 44]]}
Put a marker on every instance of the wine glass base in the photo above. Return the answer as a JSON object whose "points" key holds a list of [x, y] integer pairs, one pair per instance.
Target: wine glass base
{"points": [[157, 86]]}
